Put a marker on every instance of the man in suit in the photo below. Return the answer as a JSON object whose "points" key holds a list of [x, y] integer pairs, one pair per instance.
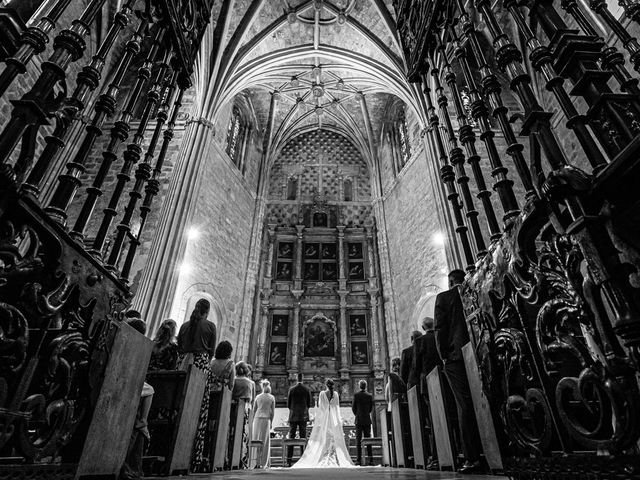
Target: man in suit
{"points": [[451, 335], [298, 401], [425, 359], [407, 372], [362, 407]]}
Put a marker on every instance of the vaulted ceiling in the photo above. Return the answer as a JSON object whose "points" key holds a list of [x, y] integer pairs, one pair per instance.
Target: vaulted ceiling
{"points": [[320, 56]]}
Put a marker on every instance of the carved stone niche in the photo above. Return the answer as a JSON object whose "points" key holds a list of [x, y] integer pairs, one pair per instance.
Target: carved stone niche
{"points": [[319, 340], [320, 214]]}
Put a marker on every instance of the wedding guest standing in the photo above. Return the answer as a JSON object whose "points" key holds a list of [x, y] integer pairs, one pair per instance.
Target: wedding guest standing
{"points": [[395, 388], [223, 374], [451, 335], [196, 342], [425, 359], [299, 400], [264, 408], [407, 372], [164, 355], [223, 368], [243, 389], [362, 407]]}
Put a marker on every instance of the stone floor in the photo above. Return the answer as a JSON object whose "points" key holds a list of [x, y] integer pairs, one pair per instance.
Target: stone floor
{"points": [[364, 473]]}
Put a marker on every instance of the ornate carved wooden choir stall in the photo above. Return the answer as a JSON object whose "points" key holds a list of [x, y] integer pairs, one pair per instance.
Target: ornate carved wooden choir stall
{"points": [[550, 241], [64, 351], [551, 295]]}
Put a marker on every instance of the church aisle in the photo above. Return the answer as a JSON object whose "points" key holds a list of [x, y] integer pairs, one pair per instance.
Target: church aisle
{"points": [[368, 473]]}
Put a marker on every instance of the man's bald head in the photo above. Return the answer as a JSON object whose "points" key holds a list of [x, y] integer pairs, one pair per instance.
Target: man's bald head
{"points": [[427, 323]]}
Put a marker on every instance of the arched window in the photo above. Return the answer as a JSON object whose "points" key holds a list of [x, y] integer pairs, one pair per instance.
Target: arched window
{"points": [[233, 134], [403, 136], [348, 190], [292, 188]]}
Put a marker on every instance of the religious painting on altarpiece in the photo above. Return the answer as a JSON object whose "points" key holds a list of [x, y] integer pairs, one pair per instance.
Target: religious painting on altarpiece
{"points": [[278, 353], [279, 325], [359, 353], [319, 337]]}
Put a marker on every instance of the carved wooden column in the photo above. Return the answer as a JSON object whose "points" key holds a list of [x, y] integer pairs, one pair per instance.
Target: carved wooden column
{"points": [[502, 185], [32, 41], [153, 184], [131, 156], [265, 296], [384, 347], [457, 160], [373, 291], [342, 279], [264, 327], [468, 139], [295, 335], [31, 111], [344, 358], [87, 81], [448, 176], [268, 275], [297, 279], [343, 291]]}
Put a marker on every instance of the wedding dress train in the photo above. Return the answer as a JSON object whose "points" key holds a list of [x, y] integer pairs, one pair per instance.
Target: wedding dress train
{"points": [[326, 447]]}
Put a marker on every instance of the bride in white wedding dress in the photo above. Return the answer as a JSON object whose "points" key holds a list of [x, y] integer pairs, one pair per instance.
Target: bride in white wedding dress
{"points": [[326, 447]]}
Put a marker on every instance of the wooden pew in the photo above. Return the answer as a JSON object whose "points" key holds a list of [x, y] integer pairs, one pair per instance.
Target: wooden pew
{"points": [[416, 417], [110, 430], [440, 423], [402, 433], [386, 440], [486, 427], [239, 427], [398, 434], [220, 432], [173, 419]]}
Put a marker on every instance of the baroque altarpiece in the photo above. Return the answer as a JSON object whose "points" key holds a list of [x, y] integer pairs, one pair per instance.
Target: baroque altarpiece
{"points": [[320, 312]]}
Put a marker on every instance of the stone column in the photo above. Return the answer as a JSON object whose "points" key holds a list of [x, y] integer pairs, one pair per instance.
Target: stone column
{"points": [[156, 291]]}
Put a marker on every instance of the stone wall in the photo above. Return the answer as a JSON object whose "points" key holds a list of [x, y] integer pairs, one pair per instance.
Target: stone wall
{"points": [[319, 160], [417, 259], [215, 261]]}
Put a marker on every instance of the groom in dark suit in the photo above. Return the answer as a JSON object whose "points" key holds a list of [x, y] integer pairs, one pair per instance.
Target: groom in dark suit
{"points": [[362, 407], [298, 401]]}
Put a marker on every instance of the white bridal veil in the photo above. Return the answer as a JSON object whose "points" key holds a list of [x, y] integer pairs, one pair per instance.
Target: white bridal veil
{"points": [[326, 446]]}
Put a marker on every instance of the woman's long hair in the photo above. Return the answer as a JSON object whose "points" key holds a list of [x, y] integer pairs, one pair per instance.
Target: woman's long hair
{"points": [[166, 332], [329, 383], [199, 314]]}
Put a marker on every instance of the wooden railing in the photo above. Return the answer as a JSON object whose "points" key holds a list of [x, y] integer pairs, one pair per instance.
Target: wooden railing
{"points": [[61, 305]]}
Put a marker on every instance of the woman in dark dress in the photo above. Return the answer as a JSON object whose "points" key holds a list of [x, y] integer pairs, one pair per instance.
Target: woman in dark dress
{"points": [[164, 355], [196, 343]]}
